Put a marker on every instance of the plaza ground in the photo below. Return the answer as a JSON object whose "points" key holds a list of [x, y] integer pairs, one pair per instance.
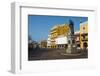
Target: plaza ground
{"points": [[52, 54]]}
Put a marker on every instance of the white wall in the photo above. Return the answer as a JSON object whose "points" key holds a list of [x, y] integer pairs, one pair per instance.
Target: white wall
{"points": [[61, 40], [5, 36]]}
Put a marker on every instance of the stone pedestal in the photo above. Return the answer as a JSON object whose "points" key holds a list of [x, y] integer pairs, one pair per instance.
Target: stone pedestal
{"points": [[71, 45], [71, 50]]}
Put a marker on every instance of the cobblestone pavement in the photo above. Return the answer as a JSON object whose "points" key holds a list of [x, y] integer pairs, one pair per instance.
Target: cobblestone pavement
{"points": [[52, 54]]}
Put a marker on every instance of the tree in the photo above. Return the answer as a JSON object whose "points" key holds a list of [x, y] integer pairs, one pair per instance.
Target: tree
{"points": [[29, 39]]}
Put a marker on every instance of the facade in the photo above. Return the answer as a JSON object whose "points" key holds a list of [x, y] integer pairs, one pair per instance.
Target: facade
{"points": [[84, 34], [58, 33], [61, 42], [77, 38], [54, 33], [49, 41], [59, 36], [43, 44], [81, 37]]}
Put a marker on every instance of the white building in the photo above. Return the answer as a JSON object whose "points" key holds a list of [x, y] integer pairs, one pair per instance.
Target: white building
{"points": [[49, 41], [61, 42]]}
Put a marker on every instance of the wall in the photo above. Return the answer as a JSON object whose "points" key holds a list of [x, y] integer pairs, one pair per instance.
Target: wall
{"points": [[61, 40], [5, 36]]}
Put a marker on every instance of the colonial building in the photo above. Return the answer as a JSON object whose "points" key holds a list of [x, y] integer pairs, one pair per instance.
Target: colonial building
{"points": [[77, 38], [61, 42], [84, 34], [58, 35], [43, 44], [49, 41], [54, 34]]}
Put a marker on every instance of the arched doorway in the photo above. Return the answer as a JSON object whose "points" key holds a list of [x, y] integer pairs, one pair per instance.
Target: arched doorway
{"points": [[85, 45]]}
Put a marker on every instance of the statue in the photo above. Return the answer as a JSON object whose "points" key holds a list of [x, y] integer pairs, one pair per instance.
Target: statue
{"points": [[71, 39]]}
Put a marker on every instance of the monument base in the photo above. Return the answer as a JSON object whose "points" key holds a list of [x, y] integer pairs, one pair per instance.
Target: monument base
{"points": [[71, 49]]}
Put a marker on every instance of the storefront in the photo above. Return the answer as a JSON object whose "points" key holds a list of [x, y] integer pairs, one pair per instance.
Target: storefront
{"points": [[61, 42]]}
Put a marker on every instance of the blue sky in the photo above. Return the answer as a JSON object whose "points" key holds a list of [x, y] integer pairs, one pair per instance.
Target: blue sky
{"points": [[39, 26]]}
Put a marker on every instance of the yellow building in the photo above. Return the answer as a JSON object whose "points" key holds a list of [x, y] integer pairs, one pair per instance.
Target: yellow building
{"points": [[56, 31], [84, 34]]}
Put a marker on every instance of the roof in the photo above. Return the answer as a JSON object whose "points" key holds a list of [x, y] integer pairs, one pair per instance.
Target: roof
{"points": [[77, 32], [84, 23], [54, 27], [58, 26]]}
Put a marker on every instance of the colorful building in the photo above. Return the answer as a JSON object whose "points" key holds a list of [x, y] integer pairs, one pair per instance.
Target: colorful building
{"points": [[77, 38], [43, 44], [58, 33], [53, 33], [61, 42], [84, 34], [58, 36]]}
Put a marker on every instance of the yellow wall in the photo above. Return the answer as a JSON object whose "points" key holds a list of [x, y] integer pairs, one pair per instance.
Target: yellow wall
{"points": [[83, 31], [85, 25], [59, 30]]}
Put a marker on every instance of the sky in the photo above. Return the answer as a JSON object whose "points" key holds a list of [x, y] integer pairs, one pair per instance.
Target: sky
{"points": [[39, 25]]}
